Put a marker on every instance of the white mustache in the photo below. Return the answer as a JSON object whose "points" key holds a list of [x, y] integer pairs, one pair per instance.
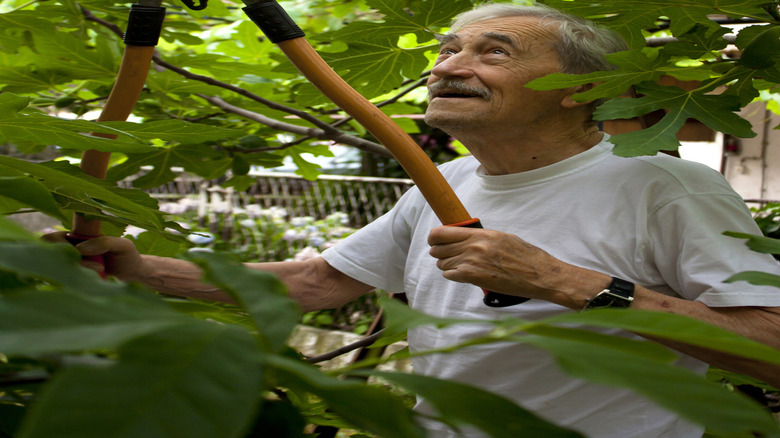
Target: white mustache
{"points": [[457, 86]]}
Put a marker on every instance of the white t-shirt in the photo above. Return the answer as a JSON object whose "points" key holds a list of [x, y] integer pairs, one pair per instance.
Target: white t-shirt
{"points": [[656, 221]]}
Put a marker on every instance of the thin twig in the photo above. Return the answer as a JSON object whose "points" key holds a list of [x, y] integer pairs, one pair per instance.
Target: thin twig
{"points": [[110, 26], [417, 82], [238, 90], [86, 101], [326, 131], [368, 340], [331, 134], [393, 99]]}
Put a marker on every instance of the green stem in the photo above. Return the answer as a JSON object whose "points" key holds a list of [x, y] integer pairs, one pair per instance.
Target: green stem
{"points": [[724, 79], [23, 6]]}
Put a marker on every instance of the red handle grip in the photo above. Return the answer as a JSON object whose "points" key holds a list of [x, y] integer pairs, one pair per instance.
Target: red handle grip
{"points": [[75, 239]]}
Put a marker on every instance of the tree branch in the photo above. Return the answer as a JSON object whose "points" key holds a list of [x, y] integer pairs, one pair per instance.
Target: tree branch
{"points": [[331, 134], [89, 16], [393, 99], [368, 340], [211, 81], [326, 131], [238, 90], [414, 84]]}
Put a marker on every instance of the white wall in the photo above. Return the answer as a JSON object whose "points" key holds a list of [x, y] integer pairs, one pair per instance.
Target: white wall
{"points": [[754, 171]]}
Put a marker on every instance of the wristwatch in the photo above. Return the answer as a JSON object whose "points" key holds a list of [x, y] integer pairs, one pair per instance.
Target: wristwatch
{"points": [[619, 293]]}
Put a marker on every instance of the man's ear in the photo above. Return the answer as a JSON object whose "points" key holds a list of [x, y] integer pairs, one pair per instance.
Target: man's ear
{"points": [[569, 102]]}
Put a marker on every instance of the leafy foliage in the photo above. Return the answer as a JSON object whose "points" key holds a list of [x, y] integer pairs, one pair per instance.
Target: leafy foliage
{"points": [[123, 362], [103, 358], [727, 83]]}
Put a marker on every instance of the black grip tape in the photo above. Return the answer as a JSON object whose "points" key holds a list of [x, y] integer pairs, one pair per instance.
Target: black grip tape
{"points": [[144, 25], [273, 20], [495, 299]]}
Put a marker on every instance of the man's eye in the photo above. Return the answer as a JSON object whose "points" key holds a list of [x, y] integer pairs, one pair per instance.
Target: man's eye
{"points": [[498, 51], [447, 52]]}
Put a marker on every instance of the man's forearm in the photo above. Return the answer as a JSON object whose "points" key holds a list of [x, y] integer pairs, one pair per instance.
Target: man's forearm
{"points": [[176, 277], [761, 324], [313, 284]]}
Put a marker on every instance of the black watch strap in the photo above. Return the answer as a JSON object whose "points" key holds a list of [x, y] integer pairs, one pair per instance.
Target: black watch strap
{"points": [[619, 293]]}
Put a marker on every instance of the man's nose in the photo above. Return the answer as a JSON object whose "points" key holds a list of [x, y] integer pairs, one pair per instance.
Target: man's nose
{"points": [[458, 65]]}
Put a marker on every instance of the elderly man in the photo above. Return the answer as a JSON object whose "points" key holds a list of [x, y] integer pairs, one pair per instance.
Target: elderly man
{"points": [[570, 226]]}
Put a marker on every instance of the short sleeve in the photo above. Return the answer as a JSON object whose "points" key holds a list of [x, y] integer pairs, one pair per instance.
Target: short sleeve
{"points": [[696, 259], [377, 253]]}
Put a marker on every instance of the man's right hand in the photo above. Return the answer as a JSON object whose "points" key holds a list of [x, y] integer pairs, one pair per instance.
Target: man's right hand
{"points": [[120, 256]]}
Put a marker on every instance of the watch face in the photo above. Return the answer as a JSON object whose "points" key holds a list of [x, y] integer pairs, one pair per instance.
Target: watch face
{"points": [[620, 294], [607, 298]]}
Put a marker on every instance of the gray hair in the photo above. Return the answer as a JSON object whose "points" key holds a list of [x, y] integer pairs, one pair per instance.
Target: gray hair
{"points": [[581, 45]]}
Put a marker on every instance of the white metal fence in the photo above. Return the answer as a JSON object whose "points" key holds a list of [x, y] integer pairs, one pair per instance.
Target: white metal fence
{"points": [[363, 199]]}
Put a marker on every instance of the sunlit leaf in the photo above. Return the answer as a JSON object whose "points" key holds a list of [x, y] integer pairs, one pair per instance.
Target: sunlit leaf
{"points": [[371, 68], [421, 20], [635, 67], [629, 18]]}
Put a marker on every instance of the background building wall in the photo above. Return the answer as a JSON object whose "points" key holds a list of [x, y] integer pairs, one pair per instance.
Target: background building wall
{"points": [[754, 168]]}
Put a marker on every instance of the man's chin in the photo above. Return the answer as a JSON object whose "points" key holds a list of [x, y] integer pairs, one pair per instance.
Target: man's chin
{"points": [[441, 121]]}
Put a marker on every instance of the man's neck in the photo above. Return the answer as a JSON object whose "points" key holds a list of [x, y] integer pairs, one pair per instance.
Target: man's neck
{"points": [[502, 155]]}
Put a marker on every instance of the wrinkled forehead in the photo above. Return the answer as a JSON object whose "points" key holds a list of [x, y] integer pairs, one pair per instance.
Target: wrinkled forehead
{"points": [[522, 31]]}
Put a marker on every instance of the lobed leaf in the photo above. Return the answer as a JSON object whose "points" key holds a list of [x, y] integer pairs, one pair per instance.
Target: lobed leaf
{"points": [[634, 68], [699, 41], [30, 192], [420, 19], [628, 17], [763, 49], [372, 68], [717, 112], [151, 244]]}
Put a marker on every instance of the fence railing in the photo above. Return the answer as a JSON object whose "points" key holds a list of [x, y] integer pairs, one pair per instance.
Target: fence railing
{"points": [[363, 199]]}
